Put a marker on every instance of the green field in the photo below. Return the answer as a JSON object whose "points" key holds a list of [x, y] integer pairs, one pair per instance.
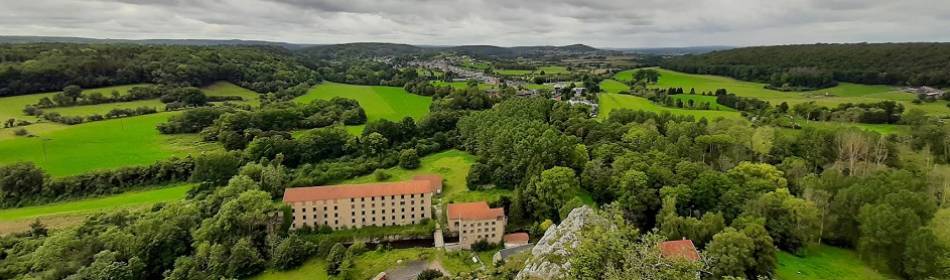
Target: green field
{"points": [[453, 165], [843, 93], [13, 105], [611, 101], [105, 144], [229, 89], [459, 85], [825, 262], [379, 102], [700, 99], [70, 212], [369, 264], [547, 70], [313, 269], [91, 205]]}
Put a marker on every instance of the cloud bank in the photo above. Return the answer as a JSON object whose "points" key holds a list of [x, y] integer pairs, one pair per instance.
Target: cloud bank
{"points": [[635, 23]]}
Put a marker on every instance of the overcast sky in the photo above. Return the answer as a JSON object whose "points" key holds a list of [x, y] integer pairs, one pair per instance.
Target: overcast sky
{"points": [[631, 23]]}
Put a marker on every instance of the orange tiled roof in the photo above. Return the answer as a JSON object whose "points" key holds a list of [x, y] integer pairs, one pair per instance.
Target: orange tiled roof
{"points": [[434, 180], [357, 190], [474, 211], [516, 238], [679, 249]]}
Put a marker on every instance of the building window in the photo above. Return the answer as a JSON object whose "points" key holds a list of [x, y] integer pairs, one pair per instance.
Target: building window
{"points": [[336, 215], [334, 207], [352, 199], [303, 210]]}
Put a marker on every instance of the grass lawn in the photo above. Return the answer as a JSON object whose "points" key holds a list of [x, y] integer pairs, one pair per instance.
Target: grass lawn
{"points": [[102, 109], [613, 86], [313, 269], [229, 89], [547, 70], [459, 85], [825, 262], [68, 212], [453, 165], [700, 99], [379, 102], [843, 93], [75, 149], [612, 101], [90, 205], [13, 106]]}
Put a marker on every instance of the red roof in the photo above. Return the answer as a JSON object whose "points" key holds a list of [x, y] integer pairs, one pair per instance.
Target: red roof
{"points": [[474, 211], [516, 238], [434, 180], [679, 249], [357, 190]]}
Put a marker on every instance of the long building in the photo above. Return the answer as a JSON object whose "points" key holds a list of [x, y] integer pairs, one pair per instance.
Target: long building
{"points": [[475, 221], [359, 205]]}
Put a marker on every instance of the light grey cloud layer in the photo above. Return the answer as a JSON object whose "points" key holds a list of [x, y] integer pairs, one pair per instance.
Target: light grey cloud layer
{"points": [[632, 23]]}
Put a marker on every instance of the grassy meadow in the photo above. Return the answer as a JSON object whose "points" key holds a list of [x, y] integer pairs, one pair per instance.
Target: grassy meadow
{"points": [[546, 69], [843, 93], [611, 101], [61, 213], [700, 99], [64, 150], [105, 144], [825, 263], [379, 102], [453, 166]]}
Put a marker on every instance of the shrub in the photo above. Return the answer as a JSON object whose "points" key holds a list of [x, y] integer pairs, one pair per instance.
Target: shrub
{"points": [[20, 132], [409, 159], [429, 274], [381, 175]]}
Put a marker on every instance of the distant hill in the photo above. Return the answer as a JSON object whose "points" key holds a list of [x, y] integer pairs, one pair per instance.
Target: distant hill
{"points": [[800, 65], [675, 50], [184, 42], [358, 49]]}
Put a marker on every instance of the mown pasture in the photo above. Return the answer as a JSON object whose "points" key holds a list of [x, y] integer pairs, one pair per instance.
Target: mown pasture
{"points": [[68, 212], [64, 150], [825, 263], [842, 93], [379, 102]]}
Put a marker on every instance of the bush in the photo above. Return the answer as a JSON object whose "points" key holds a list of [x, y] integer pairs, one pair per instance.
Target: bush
{"points": [[20, 132], [409, 159], [483, 245], [429, 274], [381, 175]]}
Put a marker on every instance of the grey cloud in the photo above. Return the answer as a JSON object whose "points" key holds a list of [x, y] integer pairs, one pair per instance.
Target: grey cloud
{"points": [[601, 23]]}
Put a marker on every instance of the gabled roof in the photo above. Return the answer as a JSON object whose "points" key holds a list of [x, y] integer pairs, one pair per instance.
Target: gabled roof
{"points": [[434, 180], [516, 238], [679, 249], [357, 190], [474, 211]]}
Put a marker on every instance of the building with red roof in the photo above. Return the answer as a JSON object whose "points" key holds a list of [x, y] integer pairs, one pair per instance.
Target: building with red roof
{"points": [[474, 221], [359, 205], [679, 249], [516, 239]]}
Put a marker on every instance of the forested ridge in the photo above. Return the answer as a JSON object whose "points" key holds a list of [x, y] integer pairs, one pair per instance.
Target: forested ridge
{"points": [[818, 65], [32, 68]]}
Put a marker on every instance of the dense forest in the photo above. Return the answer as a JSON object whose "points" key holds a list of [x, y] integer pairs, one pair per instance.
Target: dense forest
{"points": [[32, 68], [797, 67]]}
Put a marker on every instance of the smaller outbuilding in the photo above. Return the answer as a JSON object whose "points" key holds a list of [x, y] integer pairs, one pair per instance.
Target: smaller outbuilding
{"points": [[516, 239], [679, 249]]}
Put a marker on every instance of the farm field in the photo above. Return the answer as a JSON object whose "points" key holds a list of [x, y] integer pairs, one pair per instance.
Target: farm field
{"points": [[700, 99], [843, 93], [12, 106], [379, 102], [545, 69], [611, 101], [459, 85], [18, 219], [63, 150], [75, 149], [825, 262]]}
